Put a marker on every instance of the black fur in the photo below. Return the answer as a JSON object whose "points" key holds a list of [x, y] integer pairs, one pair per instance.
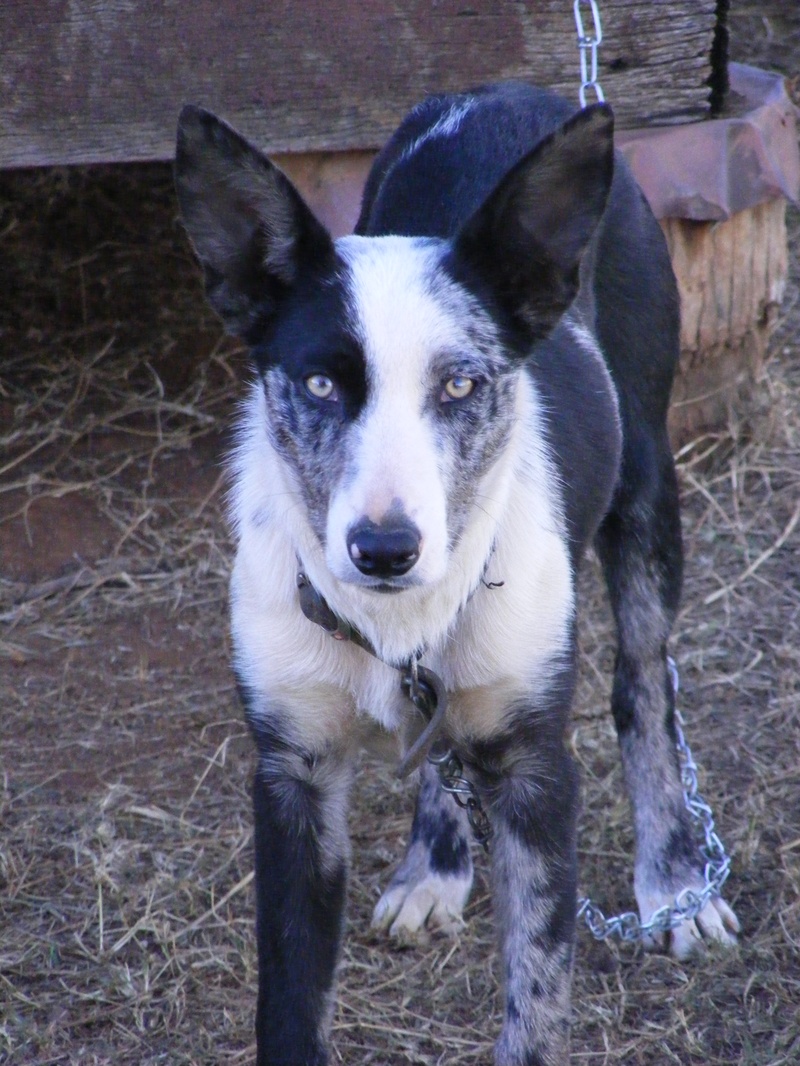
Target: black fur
{"points": [[300, 899], [441, 835], [252, 255], [298, 923]]}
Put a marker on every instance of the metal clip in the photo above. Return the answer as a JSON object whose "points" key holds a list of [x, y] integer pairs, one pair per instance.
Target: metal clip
{"points": [[426, 691]]}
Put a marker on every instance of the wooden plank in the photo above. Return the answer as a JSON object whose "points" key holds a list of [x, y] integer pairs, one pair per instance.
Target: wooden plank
{"points": [[103, 80]]}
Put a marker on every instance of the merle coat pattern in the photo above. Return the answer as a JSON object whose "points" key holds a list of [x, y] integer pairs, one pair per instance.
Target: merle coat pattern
{"points": [[446, 409]]}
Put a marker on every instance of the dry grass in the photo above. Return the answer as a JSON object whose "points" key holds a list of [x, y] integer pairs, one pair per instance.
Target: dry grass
{"points": [[125, 886]]}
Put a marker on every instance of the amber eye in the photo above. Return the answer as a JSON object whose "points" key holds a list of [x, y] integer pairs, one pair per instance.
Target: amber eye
{"points": [[320, 387], [457, 388]]}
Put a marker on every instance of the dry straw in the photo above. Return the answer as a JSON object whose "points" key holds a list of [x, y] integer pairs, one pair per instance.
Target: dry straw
{"points": [[125, 887]]}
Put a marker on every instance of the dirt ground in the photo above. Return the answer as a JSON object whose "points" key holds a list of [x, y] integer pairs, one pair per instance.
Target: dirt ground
{"points": [[126, 906]]}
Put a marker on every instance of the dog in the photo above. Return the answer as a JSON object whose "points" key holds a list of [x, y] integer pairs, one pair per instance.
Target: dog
{"points": [[448, 407]]}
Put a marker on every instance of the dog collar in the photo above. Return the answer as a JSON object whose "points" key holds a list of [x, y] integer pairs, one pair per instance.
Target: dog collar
{"points": [[316, 609], [426, 691], [421, 686]]}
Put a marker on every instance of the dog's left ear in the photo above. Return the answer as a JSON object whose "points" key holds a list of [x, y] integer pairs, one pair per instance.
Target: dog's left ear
{"points": [[528, 237], [251, 229]]}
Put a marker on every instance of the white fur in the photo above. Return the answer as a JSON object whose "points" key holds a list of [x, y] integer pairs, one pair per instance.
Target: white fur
{"points": [[445, 126], [408, 911]]}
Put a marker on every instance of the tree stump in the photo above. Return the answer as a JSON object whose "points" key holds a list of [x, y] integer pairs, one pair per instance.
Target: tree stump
{"points": [[731, 275]]}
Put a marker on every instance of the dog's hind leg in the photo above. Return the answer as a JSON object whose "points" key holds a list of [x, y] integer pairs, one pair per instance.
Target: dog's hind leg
{"points": [[302, 854], [639, 544], [430, 887]]}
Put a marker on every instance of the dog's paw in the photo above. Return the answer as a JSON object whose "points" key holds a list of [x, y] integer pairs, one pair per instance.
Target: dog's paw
{"points": [[410, 909], [716, 923]]}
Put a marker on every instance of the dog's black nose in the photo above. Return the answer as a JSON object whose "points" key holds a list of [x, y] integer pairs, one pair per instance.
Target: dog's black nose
{"points": [[386, 550]]}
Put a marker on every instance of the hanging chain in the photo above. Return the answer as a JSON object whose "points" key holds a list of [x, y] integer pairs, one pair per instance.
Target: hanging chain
{"points": [[451, 778], [588, 43], [689, 902]]}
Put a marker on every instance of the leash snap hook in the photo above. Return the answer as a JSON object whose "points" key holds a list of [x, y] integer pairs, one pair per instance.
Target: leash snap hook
{"points": [[427, 692]]}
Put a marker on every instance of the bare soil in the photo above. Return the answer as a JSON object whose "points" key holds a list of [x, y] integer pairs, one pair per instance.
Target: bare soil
{"points": [[125, 858]]}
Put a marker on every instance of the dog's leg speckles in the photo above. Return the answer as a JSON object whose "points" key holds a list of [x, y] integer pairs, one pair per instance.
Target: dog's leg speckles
{"points": [[532, 805], [429, 889], [538, 965]]}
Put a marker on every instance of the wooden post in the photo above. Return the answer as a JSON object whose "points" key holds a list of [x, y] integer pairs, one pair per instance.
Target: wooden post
{"points": [[731, 277]]}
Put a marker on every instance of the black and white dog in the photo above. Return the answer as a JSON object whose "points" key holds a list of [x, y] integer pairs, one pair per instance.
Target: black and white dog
{"points": [[447, 408]]}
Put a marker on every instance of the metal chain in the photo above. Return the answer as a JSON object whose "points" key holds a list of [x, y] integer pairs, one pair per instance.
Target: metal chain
{"points": [[451, 778], [628, 926], [689, 902], [588, 43]]}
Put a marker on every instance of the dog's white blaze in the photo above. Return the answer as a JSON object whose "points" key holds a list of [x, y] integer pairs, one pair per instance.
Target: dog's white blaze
{"points": [[395, 460], [446, 126]]}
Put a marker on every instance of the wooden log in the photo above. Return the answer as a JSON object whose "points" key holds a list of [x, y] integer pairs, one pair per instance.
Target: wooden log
{"points": [[103, 80], [731, 277]]}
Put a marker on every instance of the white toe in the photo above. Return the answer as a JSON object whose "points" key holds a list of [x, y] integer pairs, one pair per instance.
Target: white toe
{"points": [[410, 910]]}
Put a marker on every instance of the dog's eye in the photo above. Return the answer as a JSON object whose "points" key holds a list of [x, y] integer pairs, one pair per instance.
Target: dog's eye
{"points": [[457, 388], [320, 387]]}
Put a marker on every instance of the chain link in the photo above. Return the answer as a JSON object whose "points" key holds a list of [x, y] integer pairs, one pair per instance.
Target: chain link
{"points": [[451, 778], [689, 902], [588, 44]]}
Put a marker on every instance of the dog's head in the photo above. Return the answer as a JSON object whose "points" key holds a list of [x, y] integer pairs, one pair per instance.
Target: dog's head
{"points": [[391, 366]]}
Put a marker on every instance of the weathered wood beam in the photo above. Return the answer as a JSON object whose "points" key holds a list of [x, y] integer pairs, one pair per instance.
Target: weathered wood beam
{"points": [[103, 80]]}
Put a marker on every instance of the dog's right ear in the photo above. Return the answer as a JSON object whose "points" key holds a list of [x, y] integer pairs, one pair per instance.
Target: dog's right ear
{"points": [[250, 227]]}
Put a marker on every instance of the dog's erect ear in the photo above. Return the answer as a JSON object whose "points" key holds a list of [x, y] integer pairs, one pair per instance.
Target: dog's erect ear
{"points": [[250, 227], [528, 237]]}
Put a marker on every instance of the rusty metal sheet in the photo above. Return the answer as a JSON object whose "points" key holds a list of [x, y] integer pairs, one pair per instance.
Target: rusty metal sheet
{"points": [[710, 170]]}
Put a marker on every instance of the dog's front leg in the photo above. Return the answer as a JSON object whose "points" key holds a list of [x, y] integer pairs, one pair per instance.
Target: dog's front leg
{"points": [[532, 805], [301, 853]]}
